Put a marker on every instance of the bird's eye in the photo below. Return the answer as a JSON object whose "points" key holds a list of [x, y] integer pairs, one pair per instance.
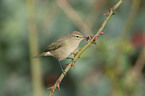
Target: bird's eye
{"points": [[77, 36]]}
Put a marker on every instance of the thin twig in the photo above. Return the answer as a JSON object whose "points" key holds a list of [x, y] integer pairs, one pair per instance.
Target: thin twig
{"points": [[131, 18], [74, 16], [139, 65], [85, 47], [97, 7], [133, 74], [49, 18], [124, 38]]}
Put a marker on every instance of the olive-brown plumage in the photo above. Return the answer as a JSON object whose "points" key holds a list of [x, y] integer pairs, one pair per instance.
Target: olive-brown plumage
{"points": [[64, 46]]}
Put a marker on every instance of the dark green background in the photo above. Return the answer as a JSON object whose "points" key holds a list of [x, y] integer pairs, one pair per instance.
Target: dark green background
{"points": [[102, 70]]}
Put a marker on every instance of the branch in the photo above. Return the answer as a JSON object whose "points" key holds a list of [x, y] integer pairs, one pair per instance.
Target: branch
{"points": [[36, 72], [85, 47], [74, 16], [131, 18], [140, 63], [97, 7]]}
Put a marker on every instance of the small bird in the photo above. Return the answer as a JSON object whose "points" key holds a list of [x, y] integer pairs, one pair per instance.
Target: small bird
{"points": [[64, 46]]}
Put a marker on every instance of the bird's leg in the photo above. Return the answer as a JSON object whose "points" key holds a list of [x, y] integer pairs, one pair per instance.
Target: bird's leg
{"points": [[73, 62], [61, 68]]}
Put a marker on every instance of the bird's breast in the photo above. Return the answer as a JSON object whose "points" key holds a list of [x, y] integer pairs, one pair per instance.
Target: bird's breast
{"points": [[65, 51]]}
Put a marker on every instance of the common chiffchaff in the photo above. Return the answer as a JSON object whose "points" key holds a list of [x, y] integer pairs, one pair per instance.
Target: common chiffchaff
{"points": [[64, 46]]}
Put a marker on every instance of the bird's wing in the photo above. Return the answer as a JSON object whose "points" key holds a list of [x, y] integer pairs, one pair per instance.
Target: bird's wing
{"points": [[54, 46]]}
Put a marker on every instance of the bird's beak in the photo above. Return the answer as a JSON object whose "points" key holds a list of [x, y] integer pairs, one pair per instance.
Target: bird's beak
{"points": [[86, 37]]}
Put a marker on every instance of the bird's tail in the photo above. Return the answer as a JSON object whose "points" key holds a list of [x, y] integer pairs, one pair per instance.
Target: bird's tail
{"points": [[42, 54]]}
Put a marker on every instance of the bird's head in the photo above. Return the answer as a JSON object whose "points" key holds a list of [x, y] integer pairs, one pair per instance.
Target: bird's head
{"points": [[75, 35]]}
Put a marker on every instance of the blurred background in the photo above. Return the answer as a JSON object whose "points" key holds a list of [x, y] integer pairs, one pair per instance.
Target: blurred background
{"points": [[115, 67]]}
